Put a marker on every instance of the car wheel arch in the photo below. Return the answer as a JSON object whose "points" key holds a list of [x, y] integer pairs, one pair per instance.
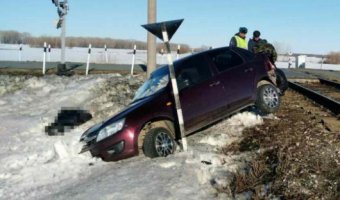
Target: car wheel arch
{"points": [[263, 82], [152, 123]]}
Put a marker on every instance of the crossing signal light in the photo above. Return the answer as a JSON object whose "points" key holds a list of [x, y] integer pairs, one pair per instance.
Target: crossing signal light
{"points": [[55, 2], [61, 12], [62, 9], [60, 23], [62, 5]]}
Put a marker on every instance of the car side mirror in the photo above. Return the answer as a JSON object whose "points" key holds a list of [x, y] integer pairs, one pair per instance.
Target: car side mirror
{"points": [[186, 82]]}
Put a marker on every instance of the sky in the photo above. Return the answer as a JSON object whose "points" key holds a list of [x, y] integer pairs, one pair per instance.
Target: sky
{"points": [[300, 26]]}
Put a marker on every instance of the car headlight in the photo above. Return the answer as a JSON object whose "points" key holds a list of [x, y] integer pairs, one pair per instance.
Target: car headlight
{"points": [[110, 130]]}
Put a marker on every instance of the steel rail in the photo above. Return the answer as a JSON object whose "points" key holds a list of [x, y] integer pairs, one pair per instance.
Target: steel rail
{"points": [[329, 83], [325, 101]]}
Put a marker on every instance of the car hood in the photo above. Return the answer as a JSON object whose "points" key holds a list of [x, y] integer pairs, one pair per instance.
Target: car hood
{"points": [[92, 132]]}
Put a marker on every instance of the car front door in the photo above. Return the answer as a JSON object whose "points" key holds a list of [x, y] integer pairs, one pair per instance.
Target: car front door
{"points": [[200, 94]]}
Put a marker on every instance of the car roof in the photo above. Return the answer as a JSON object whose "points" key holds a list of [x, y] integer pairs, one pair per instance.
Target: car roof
{"points": [[164, 68]]}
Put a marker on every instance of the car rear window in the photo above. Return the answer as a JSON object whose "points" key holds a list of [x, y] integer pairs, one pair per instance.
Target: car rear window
{"points": [[225, 59]]}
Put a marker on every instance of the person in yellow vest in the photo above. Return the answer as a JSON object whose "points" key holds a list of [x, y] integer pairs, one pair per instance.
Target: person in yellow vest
{"points": [[239, 39]]}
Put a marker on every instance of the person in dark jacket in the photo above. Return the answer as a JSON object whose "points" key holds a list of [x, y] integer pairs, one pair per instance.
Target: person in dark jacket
{"points": [[239, 39], [254, 41]]}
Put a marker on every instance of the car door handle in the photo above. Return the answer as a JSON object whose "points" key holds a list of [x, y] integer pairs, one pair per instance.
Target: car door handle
{"points": [[214, 84], [248, 70]]}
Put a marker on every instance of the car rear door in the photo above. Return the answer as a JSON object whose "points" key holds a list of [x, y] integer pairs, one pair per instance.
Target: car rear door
{"points": [[237, 76], [200, 94]]}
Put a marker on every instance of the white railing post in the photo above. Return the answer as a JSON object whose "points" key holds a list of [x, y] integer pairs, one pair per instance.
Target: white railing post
{"points": [[88, 59], [49, 53], [178, 51], [20, 51], [44, 59], [133, 59], [106, 56], [162, 53]]}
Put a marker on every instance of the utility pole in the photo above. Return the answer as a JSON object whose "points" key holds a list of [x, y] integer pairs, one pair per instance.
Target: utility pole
{"points": [[152, 15], [62, 65], [62, 8]]}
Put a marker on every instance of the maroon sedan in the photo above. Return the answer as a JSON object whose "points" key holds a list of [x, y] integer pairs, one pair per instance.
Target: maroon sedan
{"points": [[213, 85]]}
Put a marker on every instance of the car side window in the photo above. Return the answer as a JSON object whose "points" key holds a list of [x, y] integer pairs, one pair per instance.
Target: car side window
{"points": [[193, 71], [225, 59]]}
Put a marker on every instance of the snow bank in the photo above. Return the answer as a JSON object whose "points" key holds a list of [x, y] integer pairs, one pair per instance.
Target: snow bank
{"points": [[196, 174], [31, 160], [37, 166], [232, 129]]}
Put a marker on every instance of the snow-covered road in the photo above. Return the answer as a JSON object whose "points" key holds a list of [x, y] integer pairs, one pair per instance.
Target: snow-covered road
{"points": [[36, 166]]}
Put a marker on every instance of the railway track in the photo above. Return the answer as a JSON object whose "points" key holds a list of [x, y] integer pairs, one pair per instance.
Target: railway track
{"points": [[325, 93], [330, 83]]}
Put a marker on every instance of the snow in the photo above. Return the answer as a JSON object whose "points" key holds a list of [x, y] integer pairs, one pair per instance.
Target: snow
{"points": [[37, 166]]}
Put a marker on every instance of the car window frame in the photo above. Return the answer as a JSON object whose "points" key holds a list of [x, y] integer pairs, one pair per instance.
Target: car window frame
{"points": [[216, 70], [211, 71], [242, 53]]}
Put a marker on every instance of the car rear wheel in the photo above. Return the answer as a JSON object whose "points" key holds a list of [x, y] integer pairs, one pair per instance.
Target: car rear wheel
{"points": [[158, 142], [268, 98]]}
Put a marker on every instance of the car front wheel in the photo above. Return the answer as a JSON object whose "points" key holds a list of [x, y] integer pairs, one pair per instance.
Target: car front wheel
{"points": [[268, 99], [158, 142]]}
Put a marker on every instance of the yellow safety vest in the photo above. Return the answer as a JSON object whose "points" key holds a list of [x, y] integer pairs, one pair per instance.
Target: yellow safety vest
{"points": [[241, 43]]}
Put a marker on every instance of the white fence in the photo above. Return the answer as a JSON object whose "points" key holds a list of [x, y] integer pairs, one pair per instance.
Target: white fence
{"points": [[122, 56], [114, 56]]}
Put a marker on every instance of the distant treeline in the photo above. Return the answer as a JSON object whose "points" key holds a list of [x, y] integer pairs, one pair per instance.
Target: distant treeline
{"points": [[14, 37], [333, 58]]}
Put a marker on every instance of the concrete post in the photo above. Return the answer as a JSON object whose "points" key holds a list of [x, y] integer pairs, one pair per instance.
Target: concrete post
{"points": [[62, 65], [151, 56]]}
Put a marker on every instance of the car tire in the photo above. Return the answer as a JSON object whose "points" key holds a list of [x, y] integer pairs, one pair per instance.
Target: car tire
{"points": [[281, 81], [159, 142], [268, 99]]}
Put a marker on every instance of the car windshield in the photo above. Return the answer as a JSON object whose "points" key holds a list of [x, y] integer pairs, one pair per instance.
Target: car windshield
{"points": [[155, 83]]}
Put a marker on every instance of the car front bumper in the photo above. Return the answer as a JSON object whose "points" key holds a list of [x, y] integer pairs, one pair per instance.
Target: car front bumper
{"points": [[116, 147]]}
